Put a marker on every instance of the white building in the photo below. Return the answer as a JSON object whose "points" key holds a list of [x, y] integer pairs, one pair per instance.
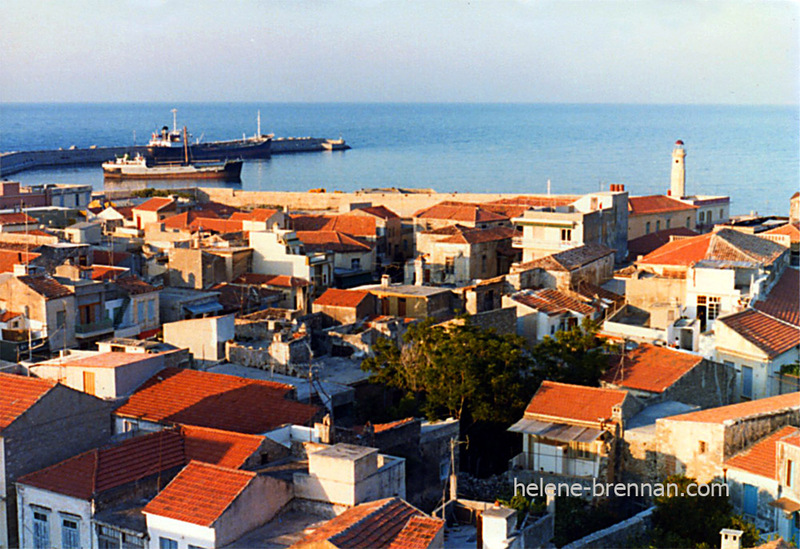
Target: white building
{"points": [[280, 252]]}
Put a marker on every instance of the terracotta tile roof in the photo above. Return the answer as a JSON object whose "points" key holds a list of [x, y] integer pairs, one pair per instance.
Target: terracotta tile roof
{"points": [[382, 427], [562, 401], [742, 410], [380, 211], [375, 525], [783, 301], [341, 298], [593, 292], [516, 206], [723, 245], [760, 458], [16, 218], [208, 224], [107, 272], [657, 203], [790, 229], [200, 493], [223, 448], [9, 315], [650, 242], [685, 251], [418, 533], [477, 236], [45, 285], [10, 258], [17, 394], [105, 257], [185, 219], [331, 241], [154, 204], [134, 285], [768, 334], [568, 260], [218, 401], [551, 302], [302, 222], [459, 211], [649, 368], [354, 225], [258, 214], [282, 281], [102, 469]]}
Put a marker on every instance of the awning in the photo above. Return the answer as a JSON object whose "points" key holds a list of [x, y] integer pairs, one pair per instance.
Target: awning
{"points": [[561, 432], [203, 308], [786, 505]]}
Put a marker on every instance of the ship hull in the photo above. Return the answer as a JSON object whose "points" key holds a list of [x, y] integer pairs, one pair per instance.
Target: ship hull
{"points": [[227, 171], [252, 147]]}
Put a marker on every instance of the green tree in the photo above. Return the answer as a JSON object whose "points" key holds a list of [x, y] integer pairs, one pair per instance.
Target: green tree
{"points": [[573, 356], [462, 371]]}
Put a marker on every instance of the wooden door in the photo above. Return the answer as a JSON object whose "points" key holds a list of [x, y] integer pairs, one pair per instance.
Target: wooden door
{"points": [[88, 382]]}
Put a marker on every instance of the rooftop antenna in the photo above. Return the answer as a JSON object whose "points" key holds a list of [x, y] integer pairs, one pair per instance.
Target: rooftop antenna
{"points": [[174, 120]]}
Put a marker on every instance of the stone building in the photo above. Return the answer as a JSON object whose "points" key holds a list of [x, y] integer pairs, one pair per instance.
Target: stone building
{"points": [[587, 264], [345, 306]]}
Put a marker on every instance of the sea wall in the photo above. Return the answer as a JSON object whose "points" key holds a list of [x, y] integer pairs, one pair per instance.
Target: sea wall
{"points": [[402, 203], [14, 162]]}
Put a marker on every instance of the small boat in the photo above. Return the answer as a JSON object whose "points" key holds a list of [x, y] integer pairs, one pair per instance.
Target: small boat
{"points": [[169, 145], [137, 167]]}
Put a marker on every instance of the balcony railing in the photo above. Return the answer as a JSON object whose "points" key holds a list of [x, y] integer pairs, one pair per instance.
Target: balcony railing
{"points": [[105, 325]]}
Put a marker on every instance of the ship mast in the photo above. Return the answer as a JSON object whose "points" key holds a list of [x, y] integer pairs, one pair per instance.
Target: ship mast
{"points": [[174, 120], [185, 146]]}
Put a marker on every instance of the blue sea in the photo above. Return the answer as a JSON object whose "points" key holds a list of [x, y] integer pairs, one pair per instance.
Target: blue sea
{"points": [[751, 153]]}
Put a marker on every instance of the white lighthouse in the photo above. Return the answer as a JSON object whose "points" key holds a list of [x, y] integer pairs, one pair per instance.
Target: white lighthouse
{"points": [[677, 186]]}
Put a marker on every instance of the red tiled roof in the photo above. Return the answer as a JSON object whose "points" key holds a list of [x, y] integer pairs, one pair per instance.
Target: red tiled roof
{"points": [[200, 493], [282, 281], [45, 285], [9, 315], [551, 302], [258, 214], [477, 236], [649, 368], [743, 410], [102, 469], [790, 229], [375, 524], [16, 218], [568, 260], [418, 533], [459, 211], [341, 298], [107, 272], [216, 225], [218, 401], [154, 204], [302, 222], [382, 427], [223, 448], [134, 285], [760, 458], [768, 334], [185, 219], [380, 211], [657, 203], [354, 225], [10, 258], [684, 251], [562, 401], [783, 301], [650, 242], [331, 241], [17, 394]]}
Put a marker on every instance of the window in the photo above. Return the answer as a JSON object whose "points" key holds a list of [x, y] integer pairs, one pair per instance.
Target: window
{"points": [[658, 226], [70, 534], [747, 382], [702, 446], [41, 530], [483, 263], [444, 469], [449, 265], [151, 309], [702, 218], [355, 264], [789, 472], [688, 222], [647, 228], [566, 235], [713, 308], [167, 543], [61, 318], [668, 223], [721, 213], [750, 500], [709, 215], [140, 311]]}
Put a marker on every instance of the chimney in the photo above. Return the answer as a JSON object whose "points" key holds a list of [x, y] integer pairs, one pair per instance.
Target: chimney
{"points": [[498, 524], [731, 539], [419, 271], [616, 416], [385, 281]]}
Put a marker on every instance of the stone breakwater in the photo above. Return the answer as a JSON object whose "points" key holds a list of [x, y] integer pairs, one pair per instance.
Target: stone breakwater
{"points": [[15, 162]]}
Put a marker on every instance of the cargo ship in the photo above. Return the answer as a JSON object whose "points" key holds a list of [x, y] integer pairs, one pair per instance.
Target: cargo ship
{"points": [[137, 167], [169, 145]]}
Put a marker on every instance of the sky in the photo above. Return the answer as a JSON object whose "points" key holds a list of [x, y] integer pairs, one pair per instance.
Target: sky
{"points": [[521, 51]]}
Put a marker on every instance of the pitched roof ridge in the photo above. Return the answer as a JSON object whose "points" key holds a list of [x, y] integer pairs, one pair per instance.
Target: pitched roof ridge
{"points": [[385, 503]]}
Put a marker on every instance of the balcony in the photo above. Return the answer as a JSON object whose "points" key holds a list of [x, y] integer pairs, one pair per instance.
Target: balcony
{"points": [[94, 328]]}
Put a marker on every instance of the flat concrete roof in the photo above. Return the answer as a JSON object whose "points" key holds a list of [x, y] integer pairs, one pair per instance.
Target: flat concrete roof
{"points": [[349, 452]]}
